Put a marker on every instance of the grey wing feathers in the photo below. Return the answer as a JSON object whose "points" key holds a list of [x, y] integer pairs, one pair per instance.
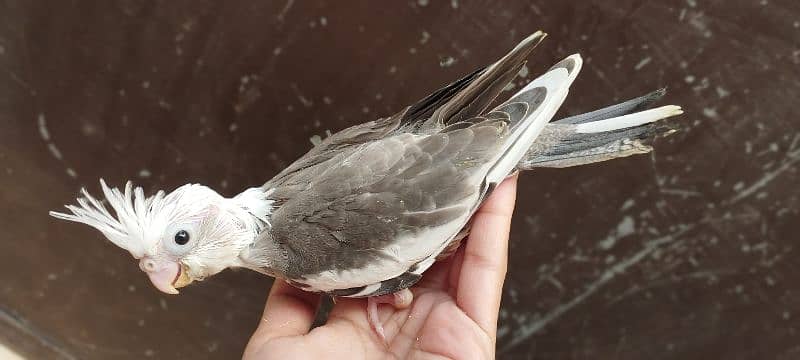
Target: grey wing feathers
{"points": [[415, 115], [476, 97], [374, 209], [331, 146], [459, 101], [367, 199]]}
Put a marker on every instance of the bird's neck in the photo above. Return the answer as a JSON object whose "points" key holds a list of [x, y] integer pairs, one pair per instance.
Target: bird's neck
{"points": [[262, 254], [256, 208]]}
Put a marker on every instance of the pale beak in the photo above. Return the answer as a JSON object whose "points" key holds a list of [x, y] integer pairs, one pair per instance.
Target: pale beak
{"points": [[167, 277]]}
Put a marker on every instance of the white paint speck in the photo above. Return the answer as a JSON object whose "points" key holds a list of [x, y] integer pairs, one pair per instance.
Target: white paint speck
{"points": [[144, 173], [43, 132], [625, 227], [54, 151], [422, 2], [303, 100], [722, 92], [642, 63], [425, 37], [71, 173], [446, 62], [710, 113], [774, 147], [628, 204], [738, 186]]}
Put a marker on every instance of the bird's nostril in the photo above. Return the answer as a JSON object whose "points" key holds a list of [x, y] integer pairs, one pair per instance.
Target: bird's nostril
{"points": [[148, 265]]}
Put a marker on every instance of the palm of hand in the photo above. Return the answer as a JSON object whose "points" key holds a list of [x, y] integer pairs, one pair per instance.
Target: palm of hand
{"points": [[453, 315]]}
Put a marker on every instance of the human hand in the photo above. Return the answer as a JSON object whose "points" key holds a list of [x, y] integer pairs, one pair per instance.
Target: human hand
{"points": [[453, 315]]}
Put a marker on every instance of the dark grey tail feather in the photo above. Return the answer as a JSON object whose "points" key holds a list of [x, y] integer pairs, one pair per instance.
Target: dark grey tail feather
{"points": [[581, 149], [581, 139], [626, 107]]}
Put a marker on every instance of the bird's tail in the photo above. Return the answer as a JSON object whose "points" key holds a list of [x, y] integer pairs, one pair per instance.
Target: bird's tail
{"points": [[616, 131]]}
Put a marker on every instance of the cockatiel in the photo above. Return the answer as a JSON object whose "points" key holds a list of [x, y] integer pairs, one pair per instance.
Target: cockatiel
{"points": [[370, 208]]}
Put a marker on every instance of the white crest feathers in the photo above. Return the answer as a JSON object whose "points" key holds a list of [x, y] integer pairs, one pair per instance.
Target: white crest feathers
{"points": [[136, 218]]}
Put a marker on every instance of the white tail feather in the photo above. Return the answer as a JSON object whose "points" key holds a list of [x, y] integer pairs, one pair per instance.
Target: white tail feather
{"points": [[630, 120]]}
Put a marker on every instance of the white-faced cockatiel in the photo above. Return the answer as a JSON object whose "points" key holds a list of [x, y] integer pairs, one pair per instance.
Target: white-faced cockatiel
{"points": [[366, 211]]}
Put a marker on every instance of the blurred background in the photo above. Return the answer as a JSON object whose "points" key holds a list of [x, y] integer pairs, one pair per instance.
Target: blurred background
{"points": [[687, 253]]}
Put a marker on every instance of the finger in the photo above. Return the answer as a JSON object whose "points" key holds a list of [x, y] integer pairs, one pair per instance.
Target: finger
{"points": [[353, 311], [483, 270], [455, 271], [436, 276], [289, 312]]}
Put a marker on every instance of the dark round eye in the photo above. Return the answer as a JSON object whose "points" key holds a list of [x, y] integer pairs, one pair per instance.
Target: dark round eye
{"points": [[181, 237]]}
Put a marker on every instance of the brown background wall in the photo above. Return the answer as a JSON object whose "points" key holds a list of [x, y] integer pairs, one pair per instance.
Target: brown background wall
{"points": [[686, 254]]}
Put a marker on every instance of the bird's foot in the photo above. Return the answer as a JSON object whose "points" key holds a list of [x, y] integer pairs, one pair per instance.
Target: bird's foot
{"points": [[400, 300]]}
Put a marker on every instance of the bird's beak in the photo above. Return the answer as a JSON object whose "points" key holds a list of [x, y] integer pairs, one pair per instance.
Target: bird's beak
{"points": [[169, 277]]}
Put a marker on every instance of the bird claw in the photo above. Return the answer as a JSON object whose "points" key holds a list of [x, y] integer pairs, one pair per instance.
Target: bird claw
{"points": [[400, 300]]}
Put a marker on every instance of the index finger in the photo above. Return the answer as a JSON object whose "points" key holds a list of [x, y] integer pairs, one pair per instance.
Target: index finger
{"points": [[483, 271]]}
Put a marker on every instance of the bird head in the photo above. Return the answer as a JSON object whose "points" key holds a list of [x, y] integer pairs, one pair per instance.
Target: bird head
{"points": [[186, 235]]}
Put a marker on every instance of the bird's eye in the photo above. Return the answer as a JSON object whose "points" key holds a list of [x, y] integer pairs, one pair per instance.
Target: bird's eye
{"points": [[181, 237]]}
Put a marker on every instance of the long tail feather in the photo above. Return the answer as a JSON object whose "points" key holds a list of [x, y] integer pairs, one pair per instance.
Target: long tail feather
{"points": [[623, 108], [594, 137]]}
